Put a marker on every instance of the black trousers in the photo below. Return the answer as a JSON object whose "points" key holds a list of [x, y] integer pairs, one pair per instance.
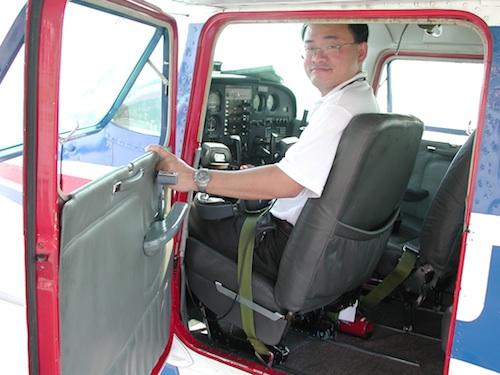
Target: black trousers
{"points": [[223, 236]]}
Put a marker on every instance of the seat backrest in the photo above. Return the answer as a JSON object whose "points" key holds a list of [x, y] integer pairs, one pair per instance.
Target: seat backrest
{"points": [[340, 236], [441, 235]]}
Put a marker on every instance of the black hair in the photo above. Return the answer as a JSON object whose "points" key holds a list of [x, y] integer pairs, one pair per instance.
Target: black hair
{"points": [[358, 30]]}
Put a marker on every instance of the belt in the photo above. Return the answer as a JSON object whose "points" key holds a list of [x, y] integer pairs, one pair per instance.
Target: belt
{"points": [[284, 226]]}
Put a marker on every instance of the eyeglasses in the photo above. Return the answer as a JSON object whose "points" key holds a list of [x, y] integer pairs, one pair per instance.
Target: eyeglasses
{"points": [[330, 50]]}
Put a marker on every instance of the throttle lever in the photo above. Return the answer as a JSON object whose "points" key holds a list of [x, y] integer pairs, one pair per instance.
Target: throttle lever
{"points": [[272, 146], [237, 143]]}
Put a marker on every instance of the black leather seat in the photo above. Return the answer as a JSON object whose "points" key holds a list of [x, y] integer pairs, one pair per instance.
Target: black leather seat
{"points": [[438, 244], [338, 238]]}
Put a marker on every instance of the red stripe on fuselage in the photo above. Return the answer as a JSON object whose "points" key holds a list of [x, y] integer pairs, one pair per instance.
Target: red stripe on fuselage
{"points": [[14, 173]]}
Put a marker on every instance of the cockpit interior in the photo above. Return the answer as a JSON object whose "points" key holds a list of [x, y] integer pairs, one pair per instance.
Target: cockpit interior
{"points": [[254, 116]]}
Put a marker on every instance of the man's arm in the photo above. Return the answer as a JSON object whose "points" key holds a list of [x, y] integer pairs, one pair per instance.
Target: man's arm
{"points": [[265, 182]]}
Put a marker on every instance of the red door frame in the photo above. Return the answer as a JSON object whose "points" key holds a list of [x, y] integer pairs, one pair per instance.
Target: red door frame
{"points": [[202, 68]]}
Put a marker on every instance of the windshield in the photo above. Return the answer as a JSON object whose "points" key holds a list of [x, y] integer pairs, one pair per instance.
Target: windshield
{"points": [[281, 40]]}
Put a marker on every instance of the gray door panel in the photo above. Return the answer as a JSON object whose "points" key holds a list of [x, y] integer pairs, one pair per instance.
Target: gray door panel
{"points": [[114, 300]]}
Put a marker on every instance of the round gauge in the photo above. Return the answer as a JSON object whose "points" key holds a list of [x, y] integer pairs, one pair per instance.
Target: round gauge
{"points": [[212, 126], [213, 104], [258, 102], [271, 102]]}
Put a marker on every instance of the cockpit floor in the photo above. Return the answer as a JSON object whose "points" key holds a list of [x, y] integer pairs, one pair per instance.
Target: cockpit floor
{"points": [[389, 350]]}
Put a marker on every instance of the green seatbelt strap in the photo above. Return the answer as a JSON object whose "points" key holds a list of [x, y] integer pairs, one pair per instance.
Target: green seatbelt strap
{"points": [[391, 281], [245, 258]]}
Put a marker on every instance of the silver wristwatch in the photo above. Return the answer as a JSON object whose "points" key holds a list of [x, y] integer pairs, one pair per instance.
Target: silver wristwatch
{"points": [[201, 178]]}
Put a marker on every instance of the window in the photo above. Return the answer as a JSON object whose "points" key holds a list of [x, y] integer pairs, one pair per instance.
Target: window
{"points": [[97, 59], [11, 99], [111, 92], [13, 337], [445, 95], [12, 84], [141, 109]]}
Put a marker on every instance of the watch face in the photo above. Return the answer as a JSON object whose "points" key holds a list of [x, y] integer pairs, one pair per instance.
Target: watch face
{"points": [[202, 176]]}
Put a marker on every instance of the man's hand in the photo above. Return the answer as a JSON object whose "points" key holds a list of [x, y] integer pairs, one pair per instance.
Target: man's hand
{"points": [[264, 182], [171, 163]]}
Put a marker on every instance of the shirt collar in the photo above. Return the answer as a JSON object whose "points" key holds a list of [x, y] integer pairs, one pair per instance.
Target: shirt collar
{"points": [[358, 77], [361, 76]]}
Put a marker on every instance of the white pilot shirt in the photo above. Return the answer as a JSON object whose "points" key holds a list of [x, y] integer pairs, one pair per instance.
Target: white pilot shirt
{"points": [[309, 161]]}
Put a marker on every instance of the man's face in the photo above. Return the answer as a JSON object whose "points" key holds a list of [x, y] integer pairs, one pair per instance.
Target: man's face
{"points": [[328, 70]]}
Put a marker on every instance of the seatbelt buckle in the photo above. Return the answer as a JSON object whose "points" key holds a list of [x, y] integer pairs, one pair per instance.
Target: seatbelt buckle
{"points": [[411, 248], [276, 355], [265, 361]]}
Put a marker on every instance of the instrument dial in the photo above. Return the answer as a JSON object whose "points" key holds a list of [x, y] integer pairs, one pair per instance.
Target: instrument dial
{"points": [[271, 102], [258, 102], [213, 104], [212, 126]]}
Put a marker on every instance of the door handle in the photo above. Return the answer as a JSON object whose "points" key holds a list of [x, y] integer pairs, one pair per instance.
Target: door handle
{"points": [[127, 183], [162, 231]]}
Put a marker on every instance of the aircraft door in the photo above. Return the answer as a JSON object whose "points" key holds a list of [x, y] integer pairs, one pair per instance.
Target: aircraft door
{"points": [[98, 226]]}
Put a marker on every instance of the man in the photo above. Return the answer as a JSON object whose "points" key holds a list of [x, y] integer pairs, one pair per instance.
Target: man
{"points": [[333, 56]]}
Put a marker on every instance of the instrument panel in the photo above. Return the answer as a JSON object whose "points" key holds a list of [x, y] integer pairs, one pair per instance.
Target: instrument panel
{"points": [[249, 115]]}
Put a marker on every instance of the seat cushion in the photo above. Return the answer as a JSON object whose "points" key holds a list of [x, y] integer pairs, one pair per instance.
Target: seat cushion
{"points": [[205, 265]]}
